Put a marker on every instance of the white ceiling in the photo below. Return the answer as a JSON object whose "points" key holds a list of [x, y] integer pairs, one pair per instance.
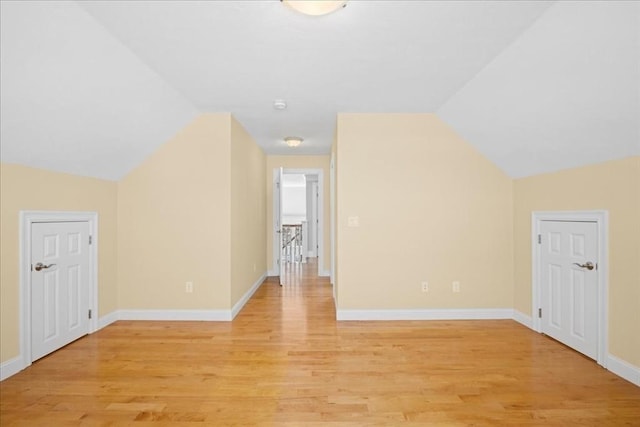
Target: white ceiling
{"points": [[74, 99], [564, 94], [93, 88]]}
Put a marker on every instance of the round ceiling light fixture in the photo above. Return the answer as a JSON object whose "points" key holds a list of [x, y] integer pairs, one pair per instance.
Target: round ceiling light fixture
{"points": [[279, 104], [315, 7], [293, 141]]}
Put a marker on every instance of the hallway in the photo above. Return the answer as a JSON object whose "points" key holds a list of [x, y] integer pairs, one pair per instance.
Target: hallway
{"points": [[302, 273], [284, 360]]}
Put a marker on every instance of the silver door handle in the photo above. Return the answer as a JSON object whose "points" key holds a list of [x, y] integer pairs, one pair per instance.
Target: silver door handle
{"points": [[588, 265], [40, 266]]}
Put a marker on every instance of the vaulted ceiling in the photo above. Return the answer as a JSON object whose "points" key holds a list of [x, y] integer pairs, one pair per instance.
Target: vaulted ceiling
{"points": [[94, 87]]}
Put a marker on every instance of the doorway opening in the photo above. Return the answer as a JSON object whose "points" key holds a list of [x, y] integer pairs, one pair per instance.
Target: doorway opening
{"points": [[298, 212]]}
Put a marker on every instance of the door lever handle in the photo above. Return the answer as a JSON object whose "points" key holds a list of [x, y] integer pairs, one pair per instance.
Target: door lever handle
{"points": [[588, 265], [40, 266]]}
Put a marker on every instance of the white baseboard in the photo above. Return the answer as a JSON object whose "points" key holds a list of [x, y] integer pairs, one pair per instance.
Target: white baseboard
{"points": [[272, 273], [624, 369], [238, 306], [186, 315], [108, 319], [523, 319], [426, 314], [11, 367]]}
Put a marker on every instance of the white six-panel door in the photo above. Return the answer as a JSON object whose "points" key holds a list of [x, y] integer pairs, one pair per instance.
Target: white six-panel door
{"points": [[569, 287], [59, 285]]}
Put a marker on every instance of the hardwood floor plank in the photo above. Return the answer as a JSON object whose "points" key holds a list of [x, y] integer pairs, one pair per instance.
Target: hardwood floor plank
{"points": [[285, 361]]}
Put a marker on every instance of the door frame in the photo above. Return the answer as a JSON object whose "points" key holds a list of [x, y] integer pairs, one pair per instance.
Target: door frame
{"points": [[275, 239], [27, 218], [313, 227], [332, 223], [601, 218]]}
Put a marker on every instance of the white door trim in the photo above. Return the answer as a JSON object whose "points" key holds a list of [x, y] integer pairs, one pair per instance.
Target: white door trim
{"points": [[601, 218], [332, 225], [275, 239], [27, 218], [275, 226], [314, 224]]}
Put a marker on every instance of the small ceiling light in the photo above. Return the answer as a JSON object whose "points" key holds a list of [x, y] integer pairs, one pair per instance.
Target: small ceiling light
{"points": [[279, 104], [315, 7], [293, 141]]}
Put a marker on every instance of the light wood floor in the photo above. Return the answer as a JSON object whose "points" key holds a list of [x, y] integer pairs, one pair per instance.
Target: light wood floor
{"points": [[285, 361]]}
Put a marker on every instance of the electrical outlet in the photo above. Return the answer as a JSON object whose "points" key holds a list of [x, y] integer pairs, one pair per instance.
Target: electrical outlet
{"points": [[456, 286], [254, 267], [188, 287], [425, 286]]}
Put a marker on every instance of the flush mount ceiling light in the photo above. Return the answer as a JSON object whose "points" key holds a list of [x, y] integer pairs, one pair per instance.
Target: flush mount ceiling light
{"points": [[293, 141], [279, 104], [315, 8]]}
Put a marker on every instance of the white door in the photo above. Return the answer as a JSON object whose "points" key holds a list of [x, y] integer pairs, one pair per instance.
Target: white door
{"points": [[279, 235], [569, 284], [313, 221], [59, 285]]}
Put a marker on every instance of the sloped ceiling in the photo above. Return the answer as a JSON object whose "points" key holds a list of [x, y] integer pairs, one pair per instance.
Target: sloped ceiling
{"points": [[564, 94], [74, 99], [94, 87]]}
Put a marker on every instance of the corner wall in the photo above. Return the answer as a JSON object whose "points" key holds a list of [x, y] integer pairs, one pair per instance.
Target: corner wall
{"points": [[430, 208], [24, 188], [173, 222], [299, 162], [248, 212], [613, 186]]}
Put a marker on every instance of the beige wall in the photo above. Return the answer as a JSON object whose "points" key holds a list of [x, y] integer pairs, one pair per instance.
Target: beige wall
{"points": [[299, 162], [173, 222], [248, 212], [430, 208], [23, 188], [613, 186]]}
